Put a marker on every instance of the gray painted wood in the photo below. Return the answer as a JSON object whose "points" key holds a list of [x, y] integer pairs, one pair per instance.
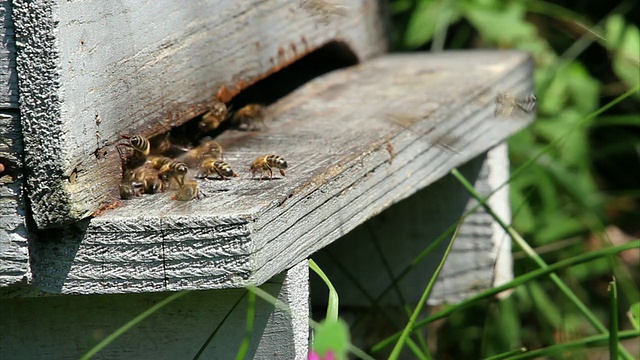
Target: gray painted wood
{"points": [[65, 327], [8, 75], [363, 263], [14, 251], [334, 132], [92, 70]]}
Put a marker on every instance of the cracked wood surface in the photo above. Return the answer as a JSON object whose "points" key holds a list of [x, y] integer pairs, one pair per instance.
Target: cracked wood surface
{"points": [[435, 110]]}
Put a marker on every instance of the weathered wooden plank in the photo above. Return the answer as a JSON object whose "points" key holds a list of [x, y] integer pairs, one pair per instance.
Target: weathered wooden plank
{"points": [[334, 132], [8, 75], [362, 264], [65, 327], [14, 251], [92, 70]]}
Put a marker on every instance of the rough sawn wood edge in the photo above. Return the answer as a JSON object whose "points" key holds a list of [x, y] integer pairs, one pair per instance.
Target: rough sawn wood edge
{"points": [[193, 250], [8, 74], [14, 250]]}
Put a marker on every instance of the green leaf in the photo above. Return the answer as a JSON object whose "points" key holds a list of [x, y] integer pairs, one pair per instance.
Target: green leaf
{"points": [[492, 22], [571, 87], [332, 336], [634, 315], [613, 320], [624, 40], [427, 18]]}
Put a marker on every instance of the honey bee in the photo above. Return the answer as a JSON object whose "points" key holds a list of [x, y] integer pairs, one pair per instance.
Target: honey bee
{"points": [[210, 166], [153, 185], [250, 117], [161, 144], [212, 119], [188, 191], [140, 148], [128, 191], [173, 170], [145, 177], [267, 163], [209, 149], [506, 104], [157, 162]]}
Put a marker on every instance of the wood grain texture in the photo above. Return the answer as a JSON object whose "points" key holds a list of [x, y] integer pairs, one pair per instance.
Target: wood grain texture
{"points": [[65, 327], [91, 71], [14, 251], [334, 132], [364, 263], [8, 74]]}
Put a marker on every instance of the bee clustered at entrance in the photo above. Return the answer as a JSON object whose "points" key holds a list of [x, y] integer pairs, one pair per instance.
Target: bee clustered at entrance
{"points": [[164, 162]]}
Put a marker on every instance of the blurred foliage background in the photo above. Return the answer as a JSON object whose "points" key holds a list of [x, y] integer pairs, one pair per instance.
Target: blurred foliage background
{"points": [[581, 193]]}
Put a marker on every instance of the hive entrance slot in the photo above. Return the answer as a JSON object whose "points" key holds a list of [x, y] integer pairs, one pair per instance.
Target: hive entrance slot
{"points": [[173, 159], [331, 56]]}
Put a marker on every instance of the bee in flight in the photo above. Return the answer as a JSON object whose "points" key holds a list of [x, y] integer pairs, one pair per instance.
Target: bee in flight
{"points": [[250, 117], [212, 119], [266, 164], [189, 190], [210, 166], [506, 104]]}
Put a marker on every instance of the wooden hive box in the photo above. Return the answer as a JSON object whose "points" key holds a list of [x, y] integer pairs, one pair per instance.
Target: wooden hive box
{"points": [[358, 139]]}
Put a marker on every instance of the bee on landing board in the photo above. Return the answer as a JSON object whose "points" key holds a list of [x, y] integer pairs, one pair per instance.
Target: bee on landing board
{"points": [[211, 166], [145, 177], [157, 162], [209, 149], [212, 119], [188, 191], [266, 164], [506, 104], [140, 148], [128, 191], [175, 170], [250, 117]]}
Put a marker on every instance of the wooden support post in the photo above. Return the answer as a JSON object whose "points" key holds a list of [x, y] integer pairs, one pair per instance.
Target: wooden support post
{"points": [[362, 264], [65, 327]]}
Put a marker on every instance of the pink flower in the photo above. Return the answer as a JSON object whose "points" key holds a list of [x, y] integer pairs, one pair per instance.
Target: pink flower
{"points": [[329, 355]]}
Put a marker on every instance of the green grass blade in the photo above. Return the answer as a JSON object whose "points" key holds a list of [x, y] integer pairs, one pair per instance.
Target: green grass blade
{"points": [[126, 327], [218, 327], [538, 260], [332, 307], [613, 320], [507, 355], [251, 314], [554, 143], [395, 353], [634, 315], [359, 353], [588, 342], [538, 273], [417, 260]]}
